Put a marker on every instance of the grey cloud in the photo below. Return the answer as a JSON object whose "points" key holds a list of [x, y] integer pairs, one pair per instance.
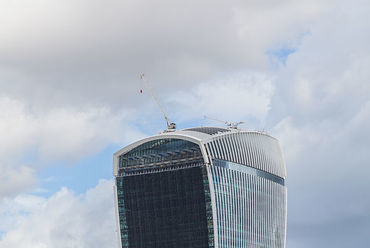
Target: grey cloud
{"points": [[345, 231], [325, 92], [91, 52]]}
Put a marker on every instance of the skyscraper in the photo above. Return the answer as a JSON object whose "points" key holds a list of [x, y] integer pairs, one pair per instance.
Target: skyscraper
{"points": [[201, 187]]}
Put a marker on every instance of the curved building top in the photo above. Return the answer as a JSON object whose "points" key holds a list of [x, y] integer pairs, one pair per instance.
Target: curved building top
{"points": [[250, 148]]}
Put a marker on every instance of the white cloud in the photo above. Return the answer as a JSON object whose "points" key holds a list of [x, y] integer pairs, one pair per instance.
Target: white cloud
{"points": [[243, 96], [67, 133], [14, 210], [14, 180], [330, 67], [291, 139], [60, 133], [17, 129], [62, 221]]}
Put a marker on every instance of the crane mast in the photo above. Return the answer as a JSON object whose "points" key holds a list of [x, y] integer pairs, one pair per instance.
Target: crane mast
{"points": [[170, 125]]}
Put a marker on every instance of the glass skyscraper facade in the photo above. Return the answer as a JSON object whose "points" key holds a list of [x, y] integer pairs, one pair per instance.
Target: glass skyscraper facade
{"points": [[201, 187]]}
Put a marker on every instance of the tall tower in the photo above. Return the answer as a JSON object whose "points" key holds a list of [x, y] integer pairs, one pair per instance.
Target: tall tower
{"points": [[201, 187]]}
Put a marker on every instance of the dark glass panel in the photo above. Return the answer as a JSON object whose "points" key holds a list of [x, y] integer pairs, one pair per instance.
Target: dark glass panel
{"points": [[166, 209]]}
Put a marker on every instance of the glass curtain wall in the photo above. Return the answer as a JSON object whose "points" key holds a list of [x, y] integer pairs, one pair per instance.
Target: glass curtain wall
{"points": [[163, 196], [250, 207]]}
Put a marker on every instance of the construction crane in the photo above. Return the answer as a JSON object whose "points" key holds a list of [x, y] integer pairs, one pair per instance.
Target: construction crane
{"points": [[170, 125], [229, 124]]}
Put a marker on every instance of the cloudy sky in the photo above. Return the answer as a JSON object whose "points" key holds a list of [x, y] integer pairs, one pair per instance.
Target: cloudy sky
{"points": [[70, 97]]}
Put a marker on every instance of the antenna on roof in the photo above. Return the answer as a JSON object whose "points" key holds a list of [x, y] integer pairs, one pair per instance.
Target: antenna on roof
{"points": [[229, 124], [170, 125]]}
